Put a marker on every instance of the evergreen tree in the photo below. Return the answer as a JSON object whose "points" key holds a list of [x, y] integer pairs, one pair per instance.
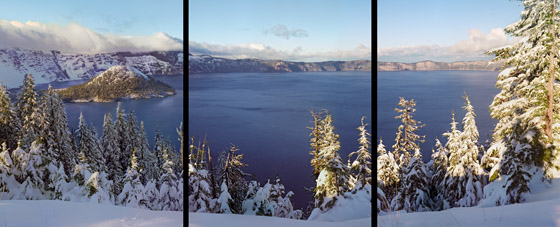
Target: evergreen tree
{"points": [[10, 127], [525, 108], [90, 146], [123, 138], [438, 168], [132, 194], [111, 149], [230, 171], [333, 177], [169, 197], [151, 195], [159, 145], [405, 141], [362, 164], [387, 173], [145, 156], [416, 185], [27, 109], [55, 135], [224, 200]]}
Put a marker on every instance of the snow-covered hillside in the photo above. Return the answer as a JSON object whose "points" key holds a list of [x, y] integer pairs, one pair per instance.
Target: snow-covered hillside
{"points": [[63, 213], [234, 220], [48, 66]]}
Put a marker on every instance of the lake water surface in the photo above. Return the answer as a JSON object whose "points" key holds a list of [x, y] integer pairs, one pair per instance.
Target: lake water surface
{"points": [[266, 115], [436, 93]]}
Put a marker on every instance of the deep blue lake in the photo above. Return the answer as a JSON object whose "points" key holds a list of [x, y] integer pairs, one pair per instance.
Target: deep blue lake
{"points": [[165, 113], [266, 115], [436, 93]]}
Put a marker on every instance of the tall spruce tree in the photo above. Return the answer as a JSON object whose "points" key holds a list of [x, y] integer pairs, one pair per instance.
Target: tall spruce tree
{"points": [[111, 149], [27, 109], [333, 177], [55, 134], [416, 185], [526, 107], [10, 126], [230, 172], [387, 175], [438, 167], [405, 141], [362, 164]]}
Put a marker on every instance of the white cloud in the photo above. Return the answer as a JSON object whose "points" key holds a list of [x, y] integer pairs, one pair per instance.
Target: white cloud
{"points": [[471, 49], [261, 51], [283, 31], [76, 38]]}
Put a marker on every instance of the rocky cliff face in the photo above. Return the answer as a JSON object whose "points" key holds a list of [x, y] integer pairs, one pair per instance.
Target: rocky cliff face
{"points": [[209, 64], [431, 65], [56, 66]]}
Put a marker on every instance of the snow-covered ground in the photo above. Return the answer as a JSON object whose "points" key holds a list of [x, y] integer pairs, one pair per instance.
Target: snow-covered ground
{"points": [[234, 220], [63, 213], [542, 208]]}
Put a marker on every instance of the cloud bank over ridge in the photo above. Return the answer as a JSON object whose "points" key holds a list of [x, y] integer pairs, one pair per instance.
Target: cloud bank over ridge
{"points": [[465, 50], [261, 51], [75, 38]]}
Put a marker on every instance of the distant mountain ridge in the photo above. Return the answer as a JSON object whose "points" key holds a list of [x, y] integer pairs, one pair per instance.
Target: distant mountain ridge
{"points": [[432, 65], [117, 82], [209, 64], [47, 66]]}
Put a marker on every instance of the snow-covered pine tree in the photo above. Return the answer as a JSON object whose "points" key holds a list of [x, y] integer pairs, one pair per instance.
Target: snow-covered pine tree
{"points": [[475, 177], [123, 138], [199, 189], [438, 168], [224, 200], [333, 177], [316, 141], [362, 164], [55, 134], [132, 194], [33, 170], [405, 141], [111, 149], [27, 109], [230, 172], [151, 195], [10, 126], [145, 157], [387, 174], [6, 166], [249, 206], [158, 148], [277, 190], [416, 185], [88, 143], [528, 136], [168, 191]]}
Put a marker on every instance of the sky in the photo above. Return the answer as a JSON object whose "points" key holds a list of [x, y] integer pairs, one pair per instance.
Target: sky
{"points": [[293, 30], [443, 30], [92, 26]]}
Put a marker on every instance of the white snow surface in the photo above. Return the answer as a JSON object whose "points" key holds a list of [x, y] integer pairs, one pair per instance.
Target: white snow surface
{"points": [[541, 208], [64, 213], [235, 220]]}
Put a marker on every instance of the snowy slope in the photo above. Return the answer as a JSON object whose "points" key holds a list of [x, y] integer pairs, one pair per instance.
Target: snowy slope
{"points": [[53, 65], [62, 213], [233, 220]]}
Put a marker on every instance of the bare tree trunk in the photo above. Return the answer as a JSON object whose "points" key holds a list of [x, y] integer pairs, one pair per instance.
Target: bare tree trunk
{"points": [[550, 96], [211, 168]]}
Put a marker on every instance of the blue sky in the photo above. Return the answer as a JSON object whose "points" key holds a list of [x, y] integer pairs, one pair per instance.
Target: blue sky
{"points": [[106, 22], [442, 30], [309, 30]]}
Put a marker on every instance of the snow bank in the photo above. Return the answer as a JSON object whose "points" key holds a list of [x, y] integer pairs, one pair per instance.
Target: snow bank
{"points": [[354, 206], [235, 220], [542, 213], [62, 213]]}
